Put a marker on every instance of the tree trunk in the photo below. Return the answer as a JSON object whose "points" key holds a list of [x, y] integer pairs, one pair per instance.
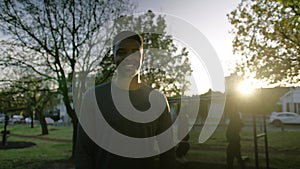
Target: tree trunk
{"points": [[44, 127], [32, 119], [43, 123], [5, 132], [71, 112], [75, 123]]}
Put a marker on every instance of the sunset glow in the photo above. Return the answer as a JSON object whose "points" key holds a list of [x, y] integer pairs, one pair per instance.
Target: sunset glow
{"points": [[246, 87]]}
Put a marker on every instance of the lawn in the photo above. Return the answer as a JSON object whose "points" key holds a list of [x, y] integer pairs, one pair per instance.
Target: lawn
{"points": [[40, 156], [284, 149]]}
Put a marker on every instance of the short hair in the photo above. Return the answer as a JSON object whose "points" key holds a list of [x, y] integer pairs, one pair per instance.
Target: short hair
{"points": [[128, 35]]}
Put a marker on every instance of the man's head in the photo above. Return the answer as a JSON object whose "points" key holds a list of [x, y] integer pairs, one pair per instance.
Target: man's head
{"points": [[128, 53], [127, 35]]}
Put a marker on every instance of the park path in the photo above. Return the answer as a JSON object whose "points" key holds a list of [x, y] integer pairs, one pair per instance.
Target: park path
{"points": [[41, 137]]}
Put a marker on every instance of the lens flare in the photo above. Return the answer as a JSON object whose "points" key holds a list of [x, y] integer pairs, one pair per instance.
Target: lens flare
{"points": [[246, 87]]}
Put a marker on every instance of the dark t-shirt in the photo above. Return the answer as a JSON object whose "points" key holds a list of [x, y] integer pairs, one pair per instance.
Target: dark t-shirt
{"points": [[91, 156]]}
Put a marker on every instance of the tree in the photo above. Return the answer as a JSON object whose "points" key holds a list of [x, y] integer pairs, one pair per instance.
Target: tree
{"points": [[28, 94], [267, 36], [48, 37]]}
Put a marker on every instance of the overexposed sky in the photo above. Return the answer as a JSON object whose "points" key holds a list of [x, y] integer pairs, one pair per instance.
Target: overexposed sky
{"points": [[209, 17]]}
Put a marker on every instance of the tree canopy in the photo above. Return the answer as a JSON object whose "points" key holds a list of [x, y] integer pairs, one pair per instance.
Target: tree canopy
{"points": [[267, 36]]}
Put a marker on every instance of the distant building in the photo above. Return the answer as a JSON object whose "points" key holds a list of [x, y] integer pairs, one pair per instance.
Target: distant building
{"points": [[66, 119], [208, 102], [290, 101]]}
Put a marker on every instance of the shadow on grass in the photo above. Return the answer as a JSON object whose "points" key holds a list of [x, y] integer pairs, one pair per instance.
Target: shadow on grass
{"points": [[16, 145]]}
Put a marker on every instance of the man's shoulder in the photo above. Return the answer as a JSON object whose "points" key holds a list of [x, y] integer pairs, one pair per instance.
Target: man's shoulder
{"points": [[103, 86], [98, 89]]}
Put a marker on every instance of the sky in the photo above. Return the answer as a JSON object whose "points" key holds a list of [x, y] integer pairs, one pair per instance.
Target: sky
{"points": [[209, 17]]}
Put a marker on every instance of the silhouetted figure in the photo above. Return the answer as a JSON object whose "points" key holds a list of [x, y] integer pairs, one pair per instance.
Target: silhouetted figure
{"points": [[233, 137], [183, 146]]}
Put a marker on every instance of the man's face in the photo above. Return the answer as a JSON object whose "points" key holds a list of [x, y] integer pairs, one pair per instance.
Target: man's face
{"points": [[128, 57]]}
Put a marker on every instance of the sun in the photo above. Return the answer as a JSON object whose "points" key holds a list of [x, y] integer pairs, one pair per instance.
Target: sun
{"points": [[246, 87]]}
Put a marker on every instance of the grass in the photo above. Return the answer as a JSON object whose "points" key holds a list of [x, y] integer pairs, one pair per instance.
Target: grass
{"points": [[60, 132], [284, 148], [44, 152]]}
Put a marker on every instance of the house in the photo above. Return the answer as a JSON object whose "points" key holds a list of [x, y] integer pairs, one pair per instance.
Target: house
{"points": [[66, 119], [211, 101], [290, 101]]}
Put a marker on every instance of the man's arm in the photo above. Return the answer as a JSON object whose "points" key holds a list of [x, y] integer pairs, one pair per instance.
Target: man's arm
{"points": [[83, 151], [168, 158]]}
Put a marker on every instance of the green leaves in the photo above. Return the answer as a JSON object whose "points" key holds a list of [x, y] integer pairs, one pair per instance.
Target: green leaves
{"points": [[267, 34]]}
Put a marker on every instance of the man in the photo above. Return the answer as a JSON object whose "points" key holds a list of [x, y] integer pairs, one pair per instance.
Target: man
{"points": [[128, 57]]}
